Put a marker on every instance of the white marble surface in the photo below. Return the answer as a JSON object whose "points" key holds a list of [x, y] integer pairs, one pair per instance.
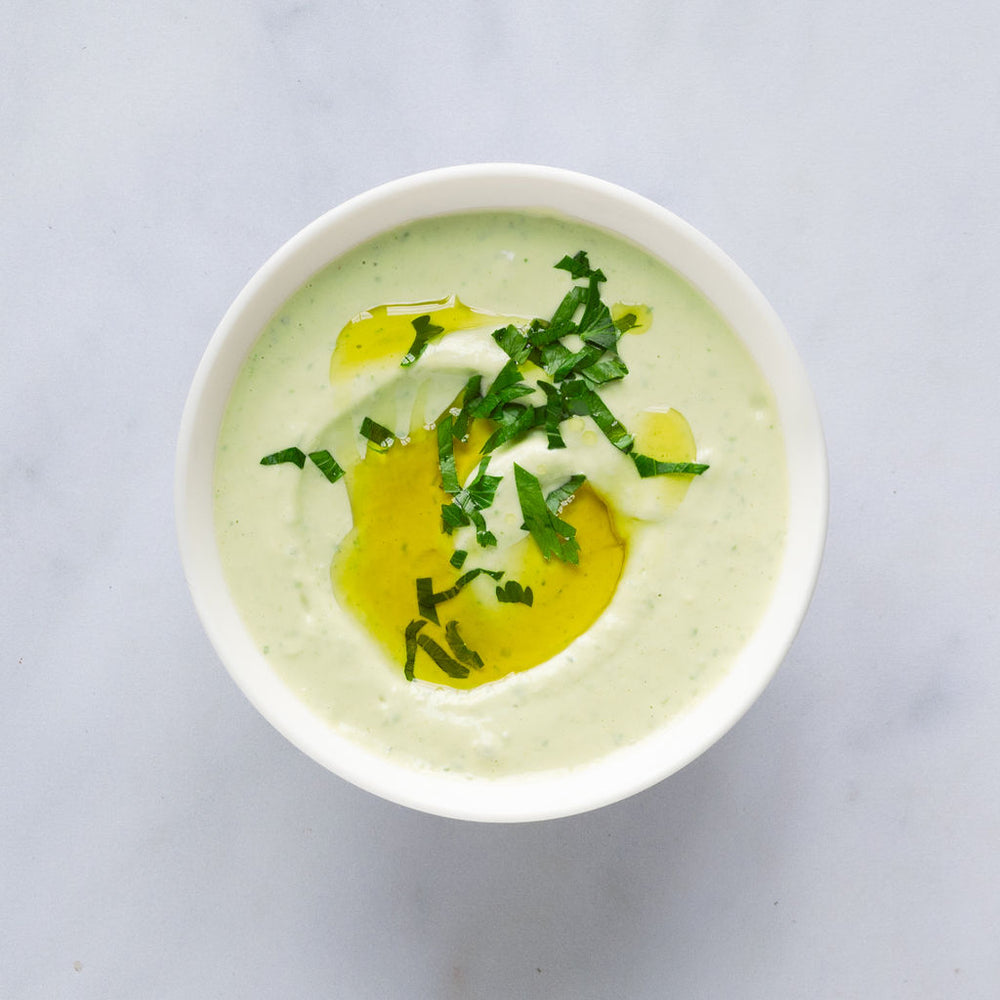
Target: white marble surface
{"points": [[158, 839]]}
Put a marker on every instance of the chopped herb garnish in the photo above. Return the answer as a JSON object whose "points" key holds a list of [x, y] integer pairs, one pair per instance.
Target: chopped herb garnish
{"points": [[426, 605], [514, 343], [462, 652], [323, 461], [553, 535], [425, 331], [561, 495], [484, 536], [326, 464], [467, 577], [578, 265], [553, 414], [582, 399], [446, 456], [514, 421], [596, 325], [428, 599], [577, 350], [513, 593], [379, 436], [651, 467], [480, 492], [626, 322], [560, 362], [469, 395], [450, 666], [606, 370], [507, 386], [561, 323], [452, 517], [410, 637], [294, 455], [468, 503]]}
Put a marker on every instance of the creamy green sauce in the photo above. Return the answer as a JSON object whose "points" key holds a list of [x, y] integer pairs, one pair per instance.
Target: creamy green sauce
{"points": [[695, 582]]}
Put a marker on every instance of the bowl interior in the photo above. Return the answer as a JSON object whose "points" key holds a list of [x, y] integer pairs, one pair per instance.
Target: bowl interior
{"points": [[597, 203]]}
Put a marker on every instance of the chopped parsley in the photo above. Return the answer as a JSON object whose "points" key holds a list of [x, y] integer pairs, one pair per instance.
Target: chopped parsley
{"points": [[381, 437], [578, 265], [470, 394], [626, 322], [647, 467], [323, 461], [425, 331], [428, 599], [296, 456], [446, 456], [513, 593], [448, 664], [468, 503], [516, 403], [410, 638], [561, 495], [326, 464], [553, 535], [462, 653]]}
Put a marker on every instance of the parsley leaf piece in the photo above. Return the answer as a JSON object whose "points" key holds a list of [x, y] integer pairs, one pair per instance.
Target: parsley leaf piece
{"points": [[458, 558], [514, 343], [326, 464], [513, 593], [294, 455], [578, 265], [446, 456], [425, 331], [469, 501], [450, 666], [410, 637], [479, 494], [469, 575], [626, 322], [469, 395], [483, 487], [427, 600], [652, 467], [507, 386], [462, 652], [561, 494], [596, 324], [580, 398], [484, 536], [560, 362], [606, 370], [561, 323], [554, 536], [452, 517], [553, 358], [380, 436], [514, 420], [554, 413], [614, 430]]}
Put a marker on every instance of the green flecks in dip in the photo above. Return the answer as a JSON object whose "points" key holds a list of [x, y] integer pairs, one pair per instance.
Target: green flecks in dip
{"points": [[697, 573]]}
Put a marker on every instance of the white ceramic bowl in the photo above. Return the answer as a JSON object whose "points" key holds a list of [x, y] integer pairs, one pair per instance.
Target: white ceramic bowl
{"points": [[484, 187]]}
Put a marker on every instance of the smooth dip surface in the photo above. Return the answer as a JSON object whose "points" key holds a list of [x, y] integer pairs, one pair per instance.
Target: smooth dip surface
{"points": [[700, 555]]}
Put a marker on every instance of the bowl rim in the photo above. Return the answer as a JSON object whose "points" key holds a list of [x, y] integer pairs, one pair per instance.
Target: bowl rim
{"points": [[595, 202]]}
